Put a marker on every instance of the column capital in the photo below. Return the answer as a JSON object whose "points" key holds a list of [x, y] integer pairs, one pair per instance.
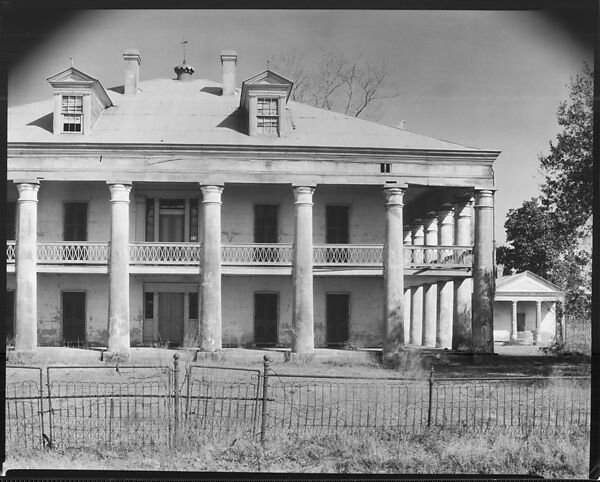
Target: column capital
{"points": [[28, 191], [119, 192], [211, 193], [303, 194], [514, 302], [394, 196], [484, 199]]}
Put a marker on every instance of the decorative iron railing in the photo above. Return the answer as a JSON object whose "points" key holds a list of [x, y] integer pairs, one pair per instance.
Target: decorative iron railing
{"points": [[164, 253], [72, 252], [10, 251], [251, 254], [416, 256], [347, 254], [85, 252]]}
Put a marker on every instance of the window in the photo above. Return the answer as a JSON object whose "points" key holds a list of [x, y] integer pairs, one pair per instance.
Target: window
{"points": [[193, 306], [336, 219], [148, 305], [72, 113], [11, 211], [75, 222], [265, 223], [267, 116]]}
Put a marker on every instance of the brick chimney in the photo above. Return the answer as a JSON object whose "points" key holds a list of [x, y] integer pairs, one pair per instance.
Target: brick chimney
{"points": [[132, 70], [228, 61]]}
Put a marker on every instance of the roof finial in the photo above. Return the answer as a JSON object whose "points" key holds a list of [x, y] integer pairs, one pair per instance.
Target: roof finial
{"points": [[183, 46], [71, 59], [268, 63]]}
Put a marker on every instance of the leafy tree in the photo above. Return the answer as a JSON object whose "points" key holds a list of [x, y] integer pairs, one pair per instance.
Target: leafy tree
{"points": [[551, 236]]}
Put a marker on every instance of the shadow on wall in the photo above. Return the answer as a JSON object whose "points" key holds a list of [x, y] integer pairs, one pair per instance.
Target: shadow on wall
{"points": [[44, 122]]}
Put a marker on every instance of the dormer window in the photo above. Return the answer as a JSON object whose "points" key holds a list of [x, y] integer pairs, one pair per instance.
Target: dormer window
{"points": [[267, 116], [79, 101], [264, 99], [72, 113]]}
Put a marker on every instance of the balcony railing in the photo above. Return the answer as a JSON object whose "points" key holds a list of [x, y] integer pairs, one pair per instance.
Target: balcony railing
{"points": [[164, 253], [72, 252], [253, 254], [188, 254]]}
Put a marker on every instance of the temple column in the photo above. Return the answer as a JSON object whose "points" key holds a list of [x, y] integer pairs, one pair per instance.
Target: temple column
{"points": [[513, 322], [538, 322], [407, 291], [393, 271], [483, 273], [463, 288], [26, 267], [431, 292], [118, 272], [563, 322], [416, 319], [445, 288], [210, 270], [303, 337]]}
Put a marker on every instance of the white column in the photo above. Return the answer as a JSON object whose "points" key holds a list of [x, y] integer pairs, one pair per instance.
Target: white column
{"points": [[463, 288], [393, 271], [303, 339], [538, 322], [210, 270], [513, 322], [445, 288], [483, 273], [407, 291], [118, 272], [26, 267], [431, 292], [416, 312]]}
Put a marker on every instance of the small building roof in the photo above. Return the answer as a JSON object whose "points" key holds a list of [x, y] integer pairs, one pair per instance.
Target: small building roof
{"points": [[167, 111], [526, 285]]}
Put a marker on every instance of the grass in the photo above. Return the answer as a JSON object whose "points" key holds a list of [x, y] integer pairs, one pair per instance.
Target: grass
{"points": [[436, 451]]}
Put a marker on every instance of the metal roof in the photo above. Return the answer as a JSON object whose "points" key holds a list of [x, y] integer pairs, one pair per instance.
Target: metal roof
{"points": [[167, 111]]}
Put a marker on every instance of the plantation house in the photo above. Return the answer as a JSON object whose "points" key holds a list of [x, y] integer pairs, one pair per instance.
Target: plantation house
{"points": [[193, 212]]}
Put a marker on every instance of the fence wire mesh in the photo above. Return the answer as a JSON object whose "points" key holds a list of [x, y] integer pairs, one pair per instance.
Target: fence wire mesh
{"points": [[157, 406]]}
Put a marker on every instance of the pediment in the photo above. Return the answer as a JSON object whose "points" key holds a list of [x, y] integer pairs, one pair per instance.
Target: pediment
{"points": [[71, 75], [268, 77], [525, 282]]}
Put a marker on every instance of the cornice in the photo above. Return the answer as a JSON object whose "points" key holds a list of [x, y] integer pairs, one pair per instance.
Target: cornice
{"points": [[349, 154]]}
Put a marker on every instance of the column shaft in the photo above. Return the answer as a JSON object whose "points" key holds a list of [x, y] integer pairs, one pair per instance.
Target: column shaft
{"points": [[513, 322], [210, 270], [26, 268], [393, 271], [416, 311], [118, 272], [431, 291], [303, 339], [538, 322], [445, 288], [483, 273], [463, 288]]}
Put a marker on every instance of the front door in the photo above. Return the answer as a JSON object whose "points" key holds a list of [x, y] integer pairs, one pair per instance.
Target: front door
{"points": [[170, 318], [265, 318], [73, 303], [520, 321], [338, 318]]}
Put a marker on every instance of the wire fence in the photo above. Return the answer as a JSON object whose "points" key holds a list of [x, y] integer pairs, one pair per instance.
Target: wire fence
{"points": [[132, 407]]}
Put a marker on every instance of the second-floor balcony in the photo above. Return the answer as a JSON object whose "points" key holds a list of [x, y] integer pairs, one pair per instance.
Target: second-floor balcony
{"points": [[188, 254]]}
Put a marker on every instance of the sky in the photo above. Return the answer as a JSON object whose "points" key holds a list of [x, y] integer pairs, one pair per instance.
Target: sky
{"points": [[487, 79]]}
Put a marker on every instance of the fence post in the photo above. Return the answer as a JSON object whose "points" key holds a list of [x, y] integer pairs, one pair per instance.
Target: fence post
{"points": [[263, 424], [430, 397], [176, 395]]}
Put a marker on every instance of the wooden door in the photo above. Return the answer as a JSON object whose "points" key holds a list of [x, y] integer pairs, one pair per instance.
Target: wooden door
{"points": [[338, 318], [73, 304], [265, 318], [170, 318]]}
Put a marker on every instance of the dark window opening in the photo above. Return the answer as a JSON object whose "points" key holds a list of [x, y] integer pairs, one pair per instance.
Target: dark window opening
{"points": [[385, 167], [265, 223], [11, 216], [194, 235], [149, 305], [75, 222], [149, 220], [193, 306], [338, 318], [336, 220]]}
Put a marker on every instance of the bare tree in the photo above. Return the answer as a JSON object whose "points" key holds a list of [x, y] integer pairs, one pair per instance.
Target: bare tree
{"points": [[336, 82]]}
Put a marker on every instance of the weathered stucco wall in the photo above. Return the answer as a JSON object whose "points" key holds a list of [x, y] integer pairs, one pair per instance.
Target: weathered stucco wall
{"points": [[50, 287], [503, 319]]}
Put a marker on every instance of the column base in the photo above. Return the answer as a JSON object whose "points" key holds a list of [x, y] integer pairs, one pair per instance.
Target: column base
{"points": [[306, 357], [209, 355]]}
